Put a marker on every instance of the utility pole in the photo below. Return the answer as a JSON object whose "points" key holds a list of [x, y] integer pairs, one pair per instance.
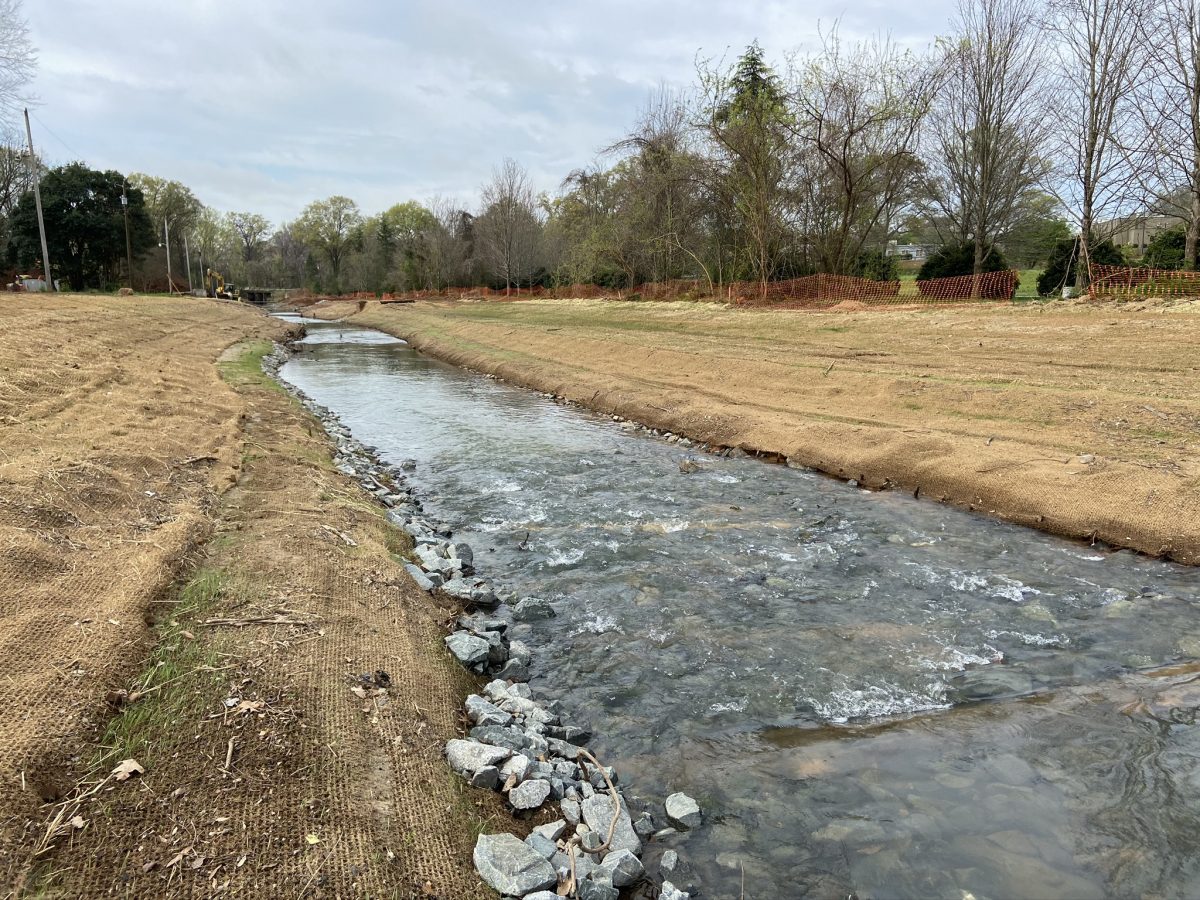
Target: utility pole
{"points": [[187, 258], [37, 197], [167, 244], [128, 245]]}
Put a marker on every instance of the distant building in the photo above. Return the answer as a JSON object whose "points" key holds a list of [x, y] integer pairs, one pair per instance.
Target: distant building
{"points": [[906, 251], [1133, 233]]}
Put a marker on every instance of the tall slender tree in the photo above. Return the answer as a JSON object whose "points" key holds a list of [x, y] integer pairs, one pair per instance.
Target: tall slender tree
{"points": [[986, 149], [1101, 55]]}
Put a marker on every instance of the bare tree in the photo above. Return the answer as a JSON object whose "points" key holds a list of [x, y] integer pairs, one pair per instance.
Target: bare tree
{"points": [[986, 123], [508, 229], [1100, 56], [859, 111], [1169, 102], [17, 58]]}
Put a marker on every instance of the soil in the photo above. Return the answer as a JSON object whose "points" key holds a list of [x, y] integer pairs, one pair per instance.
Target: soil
{"points": [[1078, 419], [188, 582]]}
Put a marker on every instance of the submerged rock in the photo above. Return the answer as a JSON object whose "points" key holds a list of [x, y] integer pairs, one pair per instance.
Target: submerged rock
{"points": [[511, 866]]}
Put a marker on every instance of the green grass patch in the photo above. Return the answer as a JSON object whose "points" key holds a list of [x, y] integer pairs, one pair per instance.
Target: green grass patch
{"points": [[245, 368], [178, 683]]}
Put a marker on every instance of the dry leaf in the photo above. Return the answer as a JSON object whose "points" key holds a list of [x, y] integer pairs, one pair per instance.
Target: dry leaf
{"points": [[127, 768]]}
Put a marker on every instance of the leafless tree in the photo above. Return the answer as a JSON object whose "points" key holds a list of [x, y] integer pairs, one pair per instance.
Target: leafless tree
{"points": [[858, 116], [508, 230], [986, 122], [1169, 103], [15, 178], [17, 58], [1100, 57]]}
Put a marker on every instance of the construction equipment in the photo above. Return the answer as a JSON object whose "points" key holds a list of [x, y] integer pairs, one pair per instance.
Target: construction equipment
{"points": [[215, 286]]}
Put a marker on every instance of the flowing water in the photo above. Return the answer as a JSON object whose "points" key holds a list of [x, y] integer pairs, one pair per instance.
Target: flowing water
{"points": [[867, 693]]}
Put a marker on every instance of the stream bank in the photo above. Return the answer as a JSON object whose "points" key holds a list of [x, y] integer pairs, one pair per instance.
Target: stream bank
{"points": [[864, 692], [1076, 422]]}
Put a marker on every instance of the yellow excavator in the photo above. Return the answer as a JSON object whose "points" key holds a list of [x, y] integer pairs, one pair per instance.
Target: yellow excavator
{"points": [[215, 286]]}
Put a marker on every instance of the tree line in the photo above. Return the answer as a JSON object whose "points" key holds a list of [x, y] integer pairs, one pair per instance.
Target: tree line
{"points": [[1015, 140]]}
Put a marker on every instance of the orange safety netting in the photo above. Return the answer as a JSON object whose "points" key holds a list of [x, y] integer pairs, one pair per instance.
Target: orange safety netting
{"points": [[820, 291], [1126, 281]]}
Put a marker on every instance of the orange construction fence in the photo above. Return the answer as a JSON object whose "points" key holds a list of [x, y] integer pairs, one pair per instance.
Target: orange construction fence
{"points": [[1128, 282]]}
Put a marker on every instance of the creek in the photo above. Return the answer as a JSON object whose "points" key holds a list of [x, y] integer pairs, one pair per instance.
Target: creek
{"points": [[868, 694]]}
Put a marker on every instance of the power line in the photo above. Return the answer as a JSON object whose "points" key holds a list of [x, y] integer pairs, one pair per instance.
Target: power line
{"points": [[75, 153]]}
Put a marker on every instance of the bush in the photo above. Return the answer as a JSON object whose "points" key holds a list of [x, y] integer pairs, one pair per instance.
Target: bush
{"points": [[1165, 251], [1060, 268], [959, 259], [876, 266]]}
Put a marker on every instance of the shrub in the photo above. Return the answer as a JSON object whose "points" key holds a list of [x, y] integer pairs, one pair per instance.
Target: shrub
{"points": [[875, 266], [959, 259], [1060, 268], [1165, 251]]}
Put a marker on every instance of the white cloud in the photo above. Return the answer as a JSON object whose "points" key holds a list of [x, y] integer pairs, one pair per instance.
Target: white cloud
{"points": [[266, 105]]}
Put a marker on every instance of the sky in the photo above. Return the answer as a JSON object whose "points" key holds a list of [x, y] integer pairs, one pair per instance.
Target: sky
{"points": [[265, 105]]}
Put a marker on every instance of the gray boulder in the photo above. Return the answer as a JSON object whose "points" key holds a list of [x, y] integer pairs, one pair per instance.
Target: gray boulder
{"points": [[516, 766], [590, 889], [520, 651], [468, 649], [668, 891], [419, 577], [552, 831], [571, 811], [531, 609], [458, 588], [529, 794], [542, 844], [683, 812], [669, 861], [511, 866], [468, 757], [597, 812], [513, 671], [488, 777], [623, 867], [481, 712]]}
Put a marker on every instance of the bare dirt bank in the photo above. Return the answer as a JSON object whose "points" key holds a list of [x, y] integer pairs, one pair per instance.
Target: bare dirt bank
{"points": [[1084, 422], [124, 445]]}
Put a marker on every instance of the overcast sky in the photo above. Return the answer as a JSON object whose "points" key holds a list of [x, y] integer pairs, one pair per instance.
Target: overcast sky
{"points": [[265, 105]]}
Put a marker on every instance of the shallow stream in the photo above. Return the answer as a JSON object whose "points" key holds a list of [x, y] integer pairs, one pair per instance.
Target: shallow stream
{"points": [[867, 693]]}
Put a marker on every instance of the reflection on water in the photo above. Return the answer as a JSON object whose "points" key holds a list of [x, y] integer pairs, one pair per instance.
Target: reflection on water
{"points": [[866, 692]]}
